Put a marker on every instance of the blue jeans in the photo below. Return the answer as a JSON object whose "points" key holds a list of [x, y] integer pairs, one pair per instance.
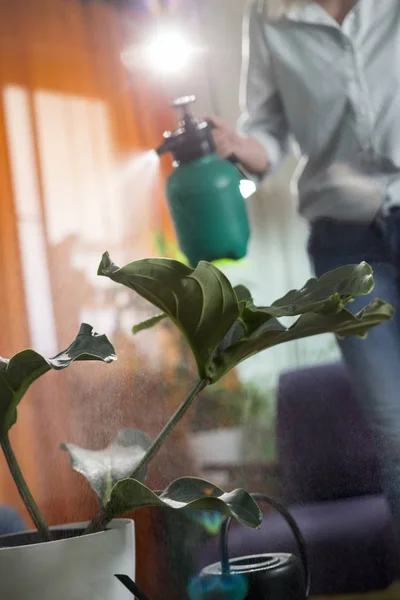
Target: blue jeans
{"points": [[373, 363]]}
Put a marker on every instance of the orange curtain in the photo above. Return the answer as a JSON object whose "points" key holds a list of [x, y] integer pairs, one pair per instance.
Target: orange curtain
{"points": [[75, 180]]}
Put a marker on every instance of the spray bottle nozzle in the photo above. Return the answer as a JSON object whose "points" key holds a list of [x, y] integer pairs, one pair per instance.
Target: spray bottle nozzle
{"points": [[168, 144]]}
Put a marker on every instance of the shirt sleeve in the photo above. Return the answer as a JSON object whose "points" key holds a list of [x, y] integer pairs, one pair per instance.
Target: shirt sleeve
{"points": [[263, 116]]}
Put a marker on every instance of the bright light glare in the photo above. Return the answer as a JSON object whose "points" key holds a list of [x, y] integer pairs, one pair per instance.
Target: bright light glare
{"points": [[247, 188], [168, 52]]}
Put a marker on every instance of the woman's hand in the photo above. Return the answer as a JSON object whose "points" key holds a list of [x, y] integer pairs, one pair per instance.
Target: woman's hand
{"points": [[250, 153], [227, 141]]}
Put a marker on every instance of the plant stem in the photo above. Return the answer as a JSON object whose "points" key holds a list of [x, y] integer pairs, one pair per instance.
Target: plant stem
{"points": [[174, 420], [100, 521], [24, 490]]}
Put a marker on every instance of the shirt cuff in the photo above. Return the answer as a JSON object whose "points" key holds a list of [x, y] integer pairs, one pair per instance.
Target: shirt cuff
{"points": [[271, 146]]}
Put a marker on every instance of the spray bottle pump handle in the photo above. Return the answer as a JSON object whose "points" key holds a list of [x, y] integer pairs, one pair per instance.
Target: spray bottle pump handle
{"points": [[183, 102]]}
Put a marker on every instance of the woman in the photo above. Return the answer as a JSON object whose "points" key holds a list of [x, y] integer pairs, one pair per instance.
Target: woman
{"points": [[327, 74]]}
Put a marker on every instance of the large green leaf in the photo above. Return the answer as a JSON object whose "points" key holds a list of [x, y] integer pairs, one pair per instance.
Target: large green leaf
{"points": [[186, 494], [20, 371], [271, 332], [242, 293], [327, 295], [104, 468], [320, 305], [331, 291], [223, 325], [200, 301]]}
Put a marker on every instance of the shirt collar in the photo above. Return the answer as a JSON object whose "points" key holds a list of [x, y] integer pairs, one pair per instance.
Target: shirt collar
{"points": [[313, 13]]}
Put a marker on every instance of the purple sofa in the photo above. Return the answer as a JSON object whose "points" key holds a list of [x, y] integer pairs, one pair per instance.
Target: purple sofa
{"points": [[331, 485]]}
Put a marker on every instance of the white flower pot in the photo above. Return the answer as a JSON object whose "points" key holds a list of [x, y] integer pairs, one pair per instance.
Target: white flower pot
{"points": [[78, 568]]}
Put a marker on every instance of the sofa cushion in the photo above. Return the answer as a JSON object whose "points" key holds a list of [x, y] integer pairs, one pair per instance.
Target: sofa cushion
{"points": [[325, 448]]}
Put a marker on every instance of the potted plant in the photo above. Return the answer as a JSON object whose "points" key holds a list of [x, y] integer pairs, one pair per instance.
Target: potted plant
{"points": [[222, 327]]}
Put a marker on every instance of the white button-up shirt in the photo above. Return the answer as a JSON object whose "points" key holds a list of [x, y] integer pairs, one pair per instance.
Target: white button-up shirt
{"points": [[335, 90]]}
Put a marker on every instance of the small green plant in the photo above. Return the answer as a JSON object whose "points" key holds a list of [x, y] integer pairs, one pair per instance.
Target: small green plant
{"points": [[222, 327]]}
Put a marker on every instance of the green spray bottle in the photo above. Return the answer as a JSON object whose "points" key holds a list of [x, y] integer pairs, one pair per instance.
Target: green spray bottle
{"points": [[203, 192]]}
